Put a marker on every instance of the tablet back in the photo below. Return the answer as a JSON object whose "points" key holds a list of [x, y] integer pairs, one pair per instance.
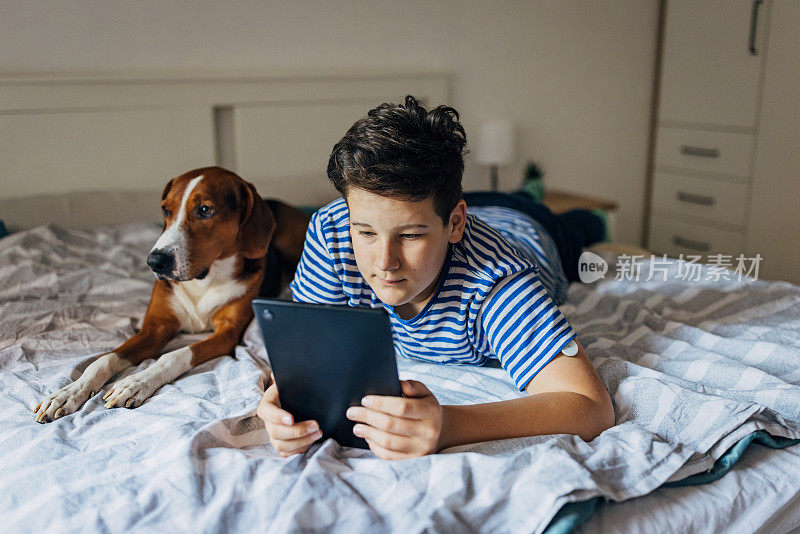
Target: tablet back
{"points": [[326, 358]]}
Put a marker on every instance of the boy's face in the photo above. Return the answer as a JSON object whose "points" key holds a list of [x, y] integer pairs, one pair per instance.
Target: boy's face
{"points": [[400, 246]]}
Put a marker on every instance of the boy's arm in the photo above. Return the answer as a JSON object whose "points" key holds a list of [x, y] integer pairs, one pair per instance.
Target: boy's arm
{"points": [[527, 332], [565, 397]]}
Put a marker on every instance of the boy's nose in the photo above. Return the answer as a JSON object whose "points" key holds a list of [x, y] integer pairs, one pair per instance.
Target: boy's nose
{"points": [[387, 260]]}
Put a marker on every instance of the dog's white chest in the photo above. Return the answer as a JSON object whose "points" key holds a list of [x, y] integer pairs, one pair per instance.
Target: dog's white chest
{"points": [[195, 301]]}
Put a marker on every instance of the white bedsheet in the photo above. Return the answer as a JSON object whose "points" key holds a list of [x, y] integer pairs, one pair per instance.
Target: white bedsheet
{"points": [[692, 368]]}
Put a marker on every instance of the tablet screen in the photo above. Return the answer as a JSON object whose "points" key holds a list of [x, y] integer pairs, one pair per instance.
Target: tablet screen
{"points": [[326, 358]]}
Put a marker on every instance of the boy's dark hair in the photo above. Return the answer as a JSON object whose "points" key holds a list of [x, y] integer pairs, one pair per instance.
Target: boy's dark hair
{"points": [[403, 151]]}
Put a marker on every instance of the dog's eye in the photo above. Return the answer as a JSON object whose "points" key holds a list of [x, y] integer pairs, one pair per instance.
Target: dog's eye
{"points": [[204, 212], [166, 212]]}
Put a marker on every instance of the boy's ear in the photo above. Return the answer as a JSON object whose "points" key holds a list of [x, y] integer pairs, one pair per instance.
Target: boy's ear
{"points": [[458, 220]]}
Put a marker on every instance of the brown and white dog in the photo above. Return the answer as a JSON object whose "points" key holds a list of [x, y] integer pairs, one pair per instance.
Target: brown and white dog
{"points": [[222, 245]]}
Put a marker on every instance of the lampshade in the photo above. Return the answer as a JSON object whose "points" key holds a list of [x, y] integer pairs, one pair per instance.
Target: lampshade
{"points": [[495, 143]]}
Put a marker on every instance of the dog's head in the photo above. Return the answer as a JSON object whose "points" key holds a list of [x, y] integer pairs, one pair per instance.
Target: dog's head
{"points": [[209, 214]]}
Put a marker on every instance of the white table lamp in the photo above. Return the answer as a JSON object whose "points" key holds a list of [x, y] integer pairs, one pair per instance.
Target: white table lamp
{"points": [[494, 146]]}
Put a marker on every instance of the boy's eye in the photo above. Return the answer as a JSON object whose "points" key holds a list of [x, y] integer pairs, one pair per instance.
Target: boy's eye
{"points": [[410, 236], [365, 233]]}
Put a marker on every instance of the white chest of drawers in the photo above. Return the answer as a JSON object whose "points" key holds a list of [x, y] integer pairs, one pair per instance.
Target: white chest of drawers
{"points": [[713, 57]]}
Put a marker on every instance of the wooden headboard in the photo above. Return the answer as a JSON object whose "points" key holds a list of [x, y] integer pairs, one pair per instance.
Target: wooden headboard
{"points": [[84, 150]]}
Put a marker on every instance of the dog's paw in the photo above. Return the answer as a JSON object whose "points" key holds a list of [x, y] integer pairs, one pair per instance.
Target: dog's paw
{"points": [[131, 391], [63, 402]]}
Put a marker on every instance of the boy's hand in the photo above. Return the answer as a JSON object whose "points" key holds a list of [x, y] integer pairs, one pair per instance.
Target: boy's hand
{"points": [[399, 427], [286, 436]]}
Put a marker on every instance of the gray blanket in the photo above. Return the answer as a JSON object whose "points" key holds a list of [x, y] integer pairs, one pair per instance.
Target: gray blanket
{"points": [[692, 367]]}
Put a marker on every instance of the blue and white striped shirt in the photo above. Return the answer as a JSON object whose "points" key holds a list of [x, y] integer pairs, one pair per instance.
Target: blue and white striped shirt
{"points": [[496, 300]]}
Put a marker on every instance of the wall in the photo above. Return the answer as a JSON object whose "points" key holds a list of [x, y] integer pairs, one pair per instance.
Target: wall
{"points": [[575, 76]]}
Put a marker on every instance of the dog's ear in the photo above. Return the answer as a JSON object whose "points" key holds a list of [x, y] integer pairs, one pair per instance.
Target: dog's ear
{"points": [[257, 224], [166, 189]]}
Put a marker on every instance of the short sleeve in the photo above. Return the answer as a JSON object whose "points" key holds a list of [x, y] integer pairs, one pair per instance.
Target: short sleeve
{"points": [[316, 279], [523, 326]]}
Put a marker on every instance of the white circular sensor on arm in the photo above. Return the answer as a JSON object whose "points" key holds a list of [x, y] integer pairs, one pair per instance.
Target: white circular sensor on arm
{"points": [[571, 349]]}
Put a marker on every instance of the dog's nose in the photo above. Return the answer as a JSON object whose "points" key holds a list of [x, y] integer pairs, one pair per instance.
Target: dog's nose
{"points": [[161, 262]]}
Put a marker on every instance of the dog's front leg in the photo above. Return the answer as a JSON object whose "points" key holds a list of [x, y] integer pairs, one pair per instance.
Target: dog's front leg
{"points": [[133, 390], [155, 333]]}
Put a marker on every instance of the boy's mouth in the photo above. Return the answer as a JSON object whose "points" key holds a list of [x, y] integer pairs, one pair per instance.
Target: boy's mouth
{"points": [[390, 282]]}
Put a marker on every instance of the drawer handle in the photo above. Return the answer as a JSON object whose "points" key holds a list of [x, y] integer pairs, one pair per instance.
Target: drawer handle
{"points": [[704, 200], [754, 26], [691, 243], [699, 151]]}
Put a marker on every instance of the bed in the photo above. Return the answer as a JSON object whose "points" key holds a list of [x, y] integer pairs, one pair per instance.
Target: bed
{"points": [[704, 375]]}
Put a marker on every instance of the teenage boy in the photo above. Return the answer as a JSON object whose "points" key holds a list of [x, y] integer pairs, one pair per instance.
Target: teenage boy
{"points": [[470, 286]]}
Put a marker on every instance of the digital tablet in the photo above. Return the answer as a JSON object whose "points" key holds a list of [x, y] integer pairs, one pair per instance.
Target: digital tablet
{"points": [[326, 358]]}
